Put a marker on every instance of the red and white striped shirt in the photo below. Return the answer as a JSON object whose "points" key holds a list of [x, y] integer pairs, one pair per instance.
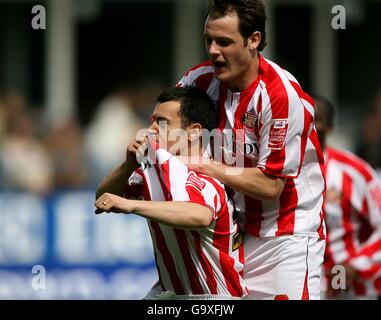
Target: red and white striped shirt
{"points": [[352, 211], [204, 262], [271, 124]]}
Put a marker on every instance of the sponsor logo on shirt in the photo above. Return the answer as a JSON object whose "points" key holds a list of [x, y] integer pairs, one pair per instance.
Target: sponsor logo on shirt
{"points": [[277, 134], [195, 181]]}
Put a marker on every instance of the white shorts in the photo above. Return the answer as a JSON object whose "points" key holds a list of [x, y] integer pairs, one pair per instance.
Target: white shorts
{"points": [[283, 268]]}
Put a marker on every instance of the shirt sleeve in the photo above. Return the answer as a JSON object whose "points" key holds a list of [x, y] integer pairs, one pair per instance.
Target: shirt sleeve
{"points": [[199, 76], [203, 193], [186, 185], [185, 81], [285, 125]]}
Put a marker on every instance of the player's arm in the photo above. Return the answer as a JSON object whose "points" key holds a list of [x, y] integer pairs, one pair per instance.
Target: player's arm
{"points": [[178, 214], [252, 182], [278, 129], [116, 181]]}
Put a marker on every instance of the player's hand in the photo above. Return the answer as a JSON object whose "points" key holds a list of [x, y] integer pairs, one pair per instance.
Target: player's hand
{"points": [[137, 149], [204, 166], [109, 202]]}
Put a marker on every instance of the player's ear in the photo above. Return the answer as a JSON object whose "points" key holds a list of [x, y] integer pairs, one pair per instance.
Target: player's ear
{"points": [[254, 40], [194, 131]]}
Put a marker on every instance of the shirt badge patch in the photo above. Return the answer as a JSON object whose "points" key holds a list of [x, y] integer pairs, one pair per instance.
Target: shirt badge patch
{"points": [[249, 120], [277, 134]]}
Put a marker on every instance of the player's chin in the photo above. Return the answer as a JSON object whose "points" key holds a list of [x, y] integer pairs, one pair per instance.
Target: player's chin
{"points": [[222, 75]]}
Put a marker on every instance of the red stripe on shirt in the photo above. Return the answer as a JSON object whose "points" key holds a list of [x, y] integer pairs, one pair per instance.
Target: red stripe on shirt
{"points": [[301, 93], [203, 81], [279, 110], [158, 271], [371, 249], [315, 141], [241, 257], [165, 185], [288, 202], [354, 162], [167, 259], [359, 288], [196, 196], [192, 272], [222, 240], [147, 197], [321, 226], [377, 285], [205, 264], [371, 272], [365, 209], [222, 117], [258, 124], [307, 123], [253, 207], [245, 98], [161, 246], [254, 211], [347, 211]]}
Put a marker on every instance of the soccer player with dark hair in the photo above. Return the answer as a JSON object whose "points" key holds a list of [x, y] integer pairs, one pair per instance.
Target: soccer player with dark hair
{"points": [[268, 119], [196, 238]]}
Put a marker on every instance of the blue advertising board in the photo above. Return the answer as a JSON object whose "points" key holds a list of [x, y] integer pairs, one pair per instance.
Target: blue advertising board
{"points": [[58, 243]]}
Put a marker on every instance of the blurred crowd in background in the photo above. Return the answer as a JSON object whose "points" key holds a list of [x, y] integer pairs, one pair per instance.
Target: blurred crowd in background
{"points": [[368, 145], [41, 158]]}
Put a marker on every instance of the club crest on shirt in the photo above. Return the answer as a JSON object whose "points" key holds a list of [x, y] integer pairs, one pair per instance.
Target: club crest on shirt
{"points": [[249, 120], [195, 181]]}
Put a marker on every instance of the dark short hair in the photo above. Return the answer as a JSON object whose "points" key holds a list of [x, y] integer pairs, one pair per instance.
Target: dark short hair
{"points": [[331, 110], [195, 106], [251, 15]]}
